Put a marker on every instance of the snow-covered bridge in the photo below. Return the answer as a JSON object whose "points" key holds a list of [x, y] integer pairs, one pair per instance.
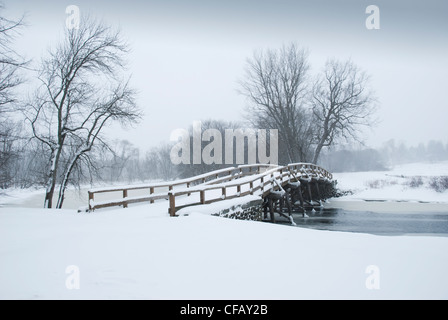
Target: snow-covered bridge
{"points": [[294, 185]]}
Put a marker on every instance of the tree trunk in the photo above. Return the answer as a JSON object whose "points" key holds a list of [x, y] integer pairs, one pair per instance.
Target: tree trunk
{"points": [[62, 188], [61, 194], [52, 175], [49, 196], [326, 133], [64, 182], [317, 152]]}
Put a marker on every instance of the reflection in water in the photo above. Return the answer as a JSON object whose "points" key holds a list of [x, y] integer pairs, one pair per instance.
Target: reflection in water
{"points": [[427, 223]]}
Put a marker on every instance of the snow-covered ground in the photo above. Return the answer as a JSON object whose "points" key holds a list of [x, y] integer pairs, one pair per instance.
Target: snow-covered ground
{"points": [[138, 253], [142, 253], [395, 184]]}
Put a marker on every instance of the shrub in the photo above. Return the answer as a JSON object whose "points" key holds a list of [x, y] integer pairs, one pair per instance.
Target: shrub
{"points": [[415, 182], [376, 184], [439, 184]]}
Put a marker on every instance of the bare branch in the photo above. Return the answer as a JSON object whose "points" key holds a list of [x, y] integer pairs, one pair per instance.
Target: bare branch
{"points": [[275, 86], [341, 103], [81, 93]]}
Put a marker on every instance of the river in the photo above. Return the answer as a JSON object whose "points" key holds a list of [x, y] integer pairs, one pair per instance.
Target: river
{"points": [[378, 217]]}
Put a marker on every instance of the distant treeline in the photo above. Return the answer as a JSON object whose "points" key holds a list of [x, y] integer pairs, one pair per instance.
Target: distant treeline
{"points": [[351, 159], [126, 163]]}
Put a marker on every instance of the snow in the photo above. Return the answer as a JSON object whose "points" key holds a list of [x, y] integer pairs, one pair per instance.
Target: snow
{"points": [[393, 185], [142, 253]]}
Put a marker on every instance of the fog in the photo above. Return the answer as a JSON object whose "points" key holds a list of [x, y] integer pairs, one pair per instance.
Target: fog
{"points": [[187, 56]]}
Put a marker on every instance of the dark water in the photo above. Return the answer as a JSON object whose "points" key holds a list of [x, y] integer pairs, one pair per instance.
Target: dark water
{"points": [[426, 223]]}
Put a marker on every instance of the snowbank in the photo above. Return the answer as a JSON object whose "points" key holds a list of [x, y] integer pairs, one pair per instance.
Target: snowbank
{"points": [[141, 253]]}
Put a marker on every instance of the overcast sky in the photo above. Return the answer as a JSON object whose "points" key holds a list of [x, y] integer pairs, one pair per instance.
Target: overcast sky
{"points": [[187, 56]]}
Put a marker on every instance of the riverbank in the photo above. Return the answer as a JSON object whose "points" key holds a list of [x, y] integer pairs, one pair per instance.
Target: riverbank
{"points": [[386, 206], [413, 183]]}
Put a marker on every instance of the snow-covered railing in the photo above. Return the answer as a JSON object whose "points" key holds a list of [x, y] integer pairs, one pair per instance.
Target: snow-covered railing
{"points": [[311, 170], [242, 187], [262, 184], [215, 186], [217, 176]]}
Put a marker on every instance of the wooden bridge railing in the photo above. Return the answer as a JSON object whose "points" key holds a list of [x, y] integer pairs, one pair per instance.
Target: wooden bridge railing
{"points": [[246, 179], [217, 176], [272, 178]]}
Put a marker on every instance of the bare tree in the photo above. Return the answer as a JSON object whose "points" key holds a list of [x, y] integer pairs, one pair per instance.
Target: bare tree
{"points": [[166, 168], [7, 152], [218, 154], [158, 165], [275, 84], [122, 162], [341, 104], [10, 61], [10, 65], [81, 92], [151, 163]]}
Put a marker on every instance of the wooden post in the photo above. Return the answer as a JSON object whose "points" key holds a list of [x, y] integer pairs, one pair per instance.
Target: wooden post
{"points": [[91, 201], [151, 191], [288, 199], [262, 184], [125, 195], [265, 208], [172, 209], [251, 186], [302, 205], [202, 196], [223, 193], [318, 191], [271, 210], [238, 190], [309, 192], [188, 186]]}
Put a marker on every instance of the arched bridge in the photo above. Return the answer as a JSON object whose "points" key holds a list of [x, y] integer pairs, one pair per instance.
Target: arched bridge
{"points": [[290, 187]]}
